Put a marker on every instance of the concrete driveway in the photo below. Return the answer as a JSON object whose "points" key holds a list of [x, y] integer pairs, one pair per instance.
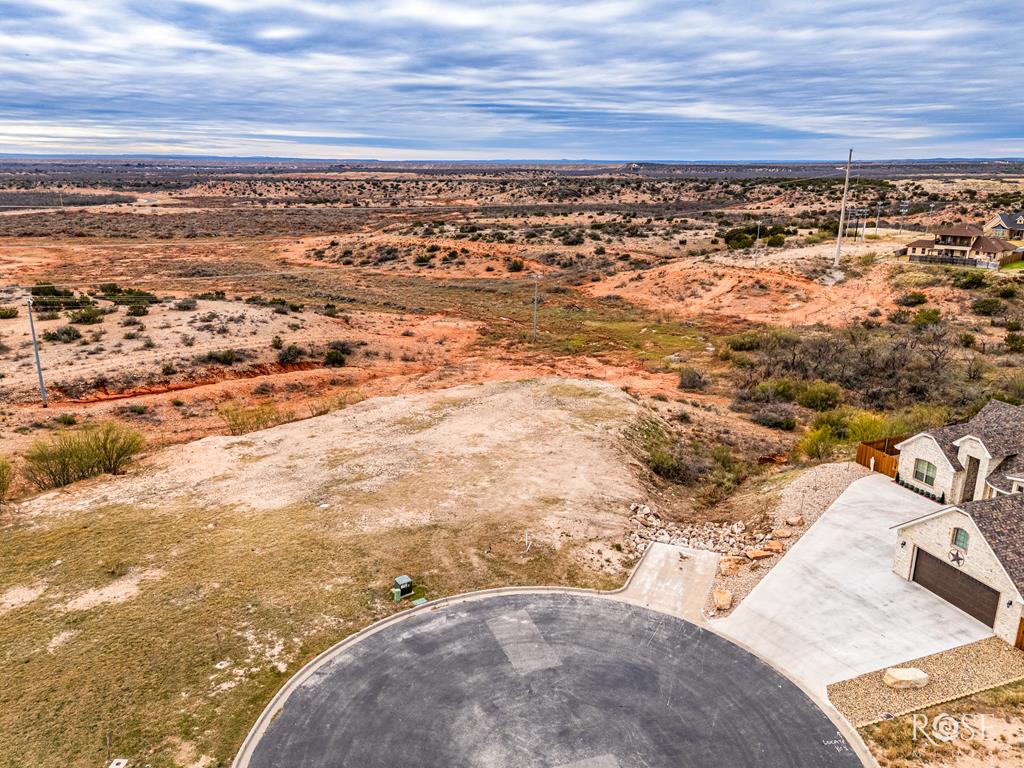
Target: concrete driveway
{"points": [[833, 609]]}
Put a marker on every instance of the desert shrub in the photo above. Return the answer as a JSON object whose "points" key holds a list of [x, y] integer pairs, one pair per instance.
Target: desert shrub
{"points": [[335, 358], [290, 354], [240, 420], [1014, 342], [8, 313], [65, 334], [818, 443], [48, 297], [900, 317], [1007, 292], [1014, 326], [912, 299], [776, 417], [113, 446], [744, 342], [775, 241], [6, 480], [1014, 386], [224, 357], [516, 265], [927, 316], [691, 380], [185, 305], [966, 340], [774, 390], [969, 280], [70, 456], [987, 307], [820, 395], [137, 310], [87, 316]]}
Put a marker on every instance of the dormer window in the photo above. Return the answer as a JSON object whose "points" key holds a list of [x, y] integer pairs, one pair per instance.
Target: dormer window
{"points": [[961, 538]]}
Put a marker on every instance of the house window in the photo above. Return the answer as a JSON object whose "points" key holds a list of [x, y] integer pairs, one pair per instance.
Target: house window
{"points": [[960, 538], [924, 471]]}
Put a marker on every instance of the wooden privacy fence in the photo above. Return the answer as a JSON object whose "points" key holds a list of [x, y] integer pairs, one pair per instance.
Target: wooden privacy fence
{"points": [[886, 456]]}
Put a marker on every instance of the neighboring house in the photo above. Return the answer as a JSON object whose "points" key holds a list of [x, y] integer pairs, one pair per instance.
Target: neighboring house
{"points": [[966, 245], [980, 459], [971, 555], [1007, 226]]}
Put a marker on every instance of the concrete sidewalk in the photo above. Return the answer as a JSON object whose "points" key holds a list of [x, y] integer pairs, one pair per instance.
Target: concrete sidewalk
{"points": [[833, 609], [674, 580]]}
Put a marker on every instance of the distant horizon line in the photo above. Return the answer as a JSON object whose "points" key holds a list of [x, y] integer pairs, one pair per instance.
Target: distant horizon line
{"points": [[494, 161]]}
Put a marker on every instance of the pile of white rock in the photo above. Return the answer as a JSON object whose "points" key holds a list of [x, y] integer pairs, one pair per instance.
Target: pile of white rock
{"points": [[726, 538]]}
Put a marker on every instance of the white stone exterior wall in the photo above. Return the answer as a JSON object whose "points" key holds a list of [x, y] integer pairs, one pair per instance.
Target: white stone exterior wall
{"points": [[935, 536], [971, 446], [946, 479]]}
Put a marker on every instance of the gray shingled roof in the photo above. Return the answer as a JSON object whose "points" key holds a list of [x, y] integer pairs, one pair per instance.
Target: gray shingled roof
{"points": [[1001, 521], [999, 425], [1009, 220], [1012, 466]]}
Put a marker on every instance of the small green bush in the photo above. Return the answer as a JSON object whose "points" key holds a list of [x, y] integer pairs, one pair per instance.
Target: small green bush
{"points": [[65, 334], [185, 305], [6, 480], [516, 265], [1014, 342], [8, 313], [224, 357], [335, 358], [774, 390], [912, 299], [969, 280], [987, 307], [137, 310], [70, 456], [290, 354], [927, 316], [1008, 292], [966, 340], [87, 316], [820, 395], [818, 443]]}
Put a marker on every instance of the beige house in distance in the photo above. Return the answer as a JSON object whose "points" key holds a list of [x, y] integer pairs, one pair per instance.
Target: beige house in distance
{"points": [[965, 245], [1007, 226]]}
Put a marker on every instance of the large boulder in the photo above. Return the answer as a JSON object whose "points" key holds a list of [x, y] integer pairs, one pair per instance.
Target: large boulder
{"points": [[905, 677]]}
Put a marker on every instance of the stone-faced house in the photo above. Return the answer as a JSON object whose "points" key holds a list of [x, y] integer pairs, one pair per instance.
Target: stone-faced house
{"points": [[979, 459], [971, 555], [962, 244]]}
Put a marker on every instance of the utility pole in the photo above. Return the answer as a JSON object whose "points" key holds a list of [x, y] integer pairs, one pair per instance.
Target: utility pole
{"points": [[757, 242], [842, 211], [35, 348], [536, 296], [878, 215]]}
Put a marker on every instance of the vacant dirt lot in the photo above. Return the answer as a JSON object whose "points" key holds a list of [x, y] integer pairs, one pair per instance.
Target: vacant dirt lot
{"points": [[161, 609]]}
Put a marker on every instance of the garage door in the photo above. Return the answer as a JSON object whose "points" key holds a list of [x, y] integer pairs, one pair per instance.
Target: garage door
{"points": [[955, 586]]}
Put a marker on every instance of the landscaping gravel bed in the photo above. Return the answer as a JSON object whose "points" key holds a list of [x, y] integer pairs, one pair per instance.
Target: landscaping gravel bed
{"points": [[953, 674], [807, 496]]}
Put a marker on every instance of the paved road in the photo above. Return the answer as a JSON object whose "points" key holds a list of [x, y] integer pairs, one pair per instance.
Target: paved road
{"points": [[548, 681], [833, 609]]}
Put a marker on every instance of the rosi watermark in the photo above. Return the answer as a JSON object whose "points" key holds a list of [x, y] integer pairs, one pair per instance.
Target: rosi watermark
{"points": [[944, 728]]}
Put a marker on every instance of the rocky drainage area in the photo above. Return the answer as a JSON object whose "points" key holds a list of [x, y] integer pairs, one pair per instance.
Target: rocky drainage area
{"points": [[748, 554]]}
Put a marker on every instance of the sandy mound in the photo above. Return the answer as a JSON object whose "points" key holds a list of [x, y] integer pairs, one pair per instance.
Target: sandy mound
{"points": [[538, 451]]}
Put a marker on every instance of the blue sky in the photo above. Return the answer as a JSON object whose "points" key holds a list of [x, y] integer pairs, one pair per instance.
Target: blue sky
{"points": [[453, 79]]}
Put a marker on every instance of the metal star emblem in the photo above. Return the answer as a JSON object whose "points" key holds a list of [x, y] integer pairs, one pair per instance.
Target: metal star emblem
{"points": [[955, 557]]}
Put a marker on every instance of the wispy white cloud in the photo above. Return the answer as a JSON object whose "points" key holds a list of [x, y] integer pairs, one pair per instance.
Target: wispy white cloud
{"points": [[489, 78]]}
